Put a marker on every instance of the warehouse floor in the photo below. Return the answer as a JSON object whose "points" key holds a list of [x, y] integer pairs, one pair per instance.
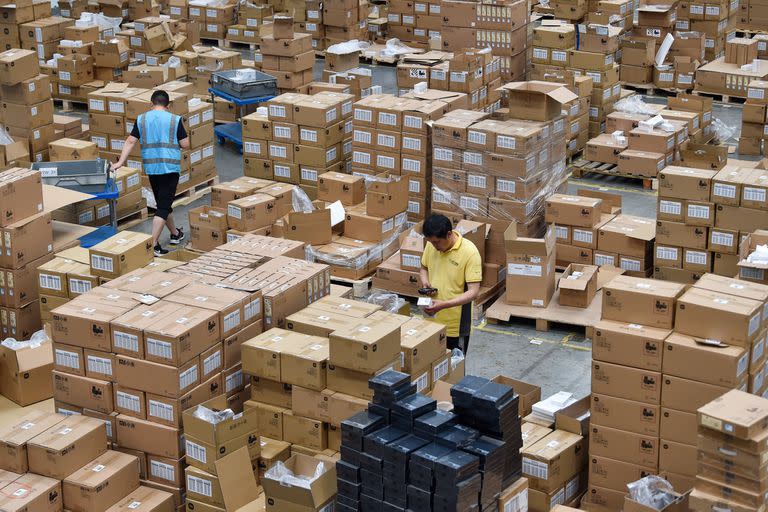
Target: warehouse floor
{"points": [[555, 360]]}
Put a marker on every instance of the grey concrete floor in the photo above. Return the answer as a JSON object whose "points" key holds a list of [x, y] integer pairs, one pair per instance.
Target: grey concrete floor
{"points": [[555, 360]]}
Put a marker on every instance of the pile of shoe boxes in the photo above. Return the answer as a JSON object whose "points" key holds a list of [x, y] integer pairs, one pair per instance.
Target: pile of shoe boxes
{"points": [[27, 243], [287, 55], [502, 169], [406, 453], [51, 461], [300, 138], [703, 216], [731, 434], [27, 109], [754, 119]]}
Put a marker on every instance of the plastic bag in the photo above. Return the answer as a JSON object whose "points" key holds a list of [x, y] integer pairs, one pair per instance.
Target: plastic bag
{"points": [[213, 417], [5, 139], [173, 62], [103, 22], [301, 201], [652, 491], [286, 477], [394, 48], [724, 132], [347, 47], [457, 356], [759, 256], [634, 105], [389, 301], [35, 341]]}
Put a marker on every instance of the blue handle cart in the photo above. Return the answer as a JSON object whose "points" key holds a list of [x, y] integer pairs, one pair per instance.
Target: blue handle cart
{"points": [[233, 132]]}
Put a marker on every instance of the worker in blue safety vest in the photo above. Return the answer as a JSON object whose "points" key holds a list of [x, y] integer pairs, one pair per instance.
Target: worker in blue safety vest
{"points": [[162, 137]]}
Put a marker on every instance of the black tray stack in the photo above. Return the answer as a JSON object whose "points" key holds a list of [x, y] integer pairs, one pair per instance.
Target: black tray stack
{"points": [[404, 454]]}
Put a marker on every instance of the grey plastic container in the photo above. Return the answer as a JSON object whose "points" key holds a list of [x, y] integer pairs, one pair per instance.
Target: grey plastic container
{"points": [[244, 83], [89, 176]]}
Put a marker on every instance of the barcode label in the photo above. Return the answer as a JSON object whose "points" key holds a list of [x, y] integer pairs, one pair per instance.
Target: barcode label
{"points": [[559, 56], [472, 158], [125, 341], [199, 485], [535, 468], [363, 115], [696, 257], [117, 106], [630, 265], [698, 212], [443, 154], [723, 190], [754, 324], [541, 53], [253, 148], [385, 140], [188, 377], [231, 320], [362, 136], [308, 135], [102, 263], [720, 238], [581, 235], [330, 155], [276, 151], [561, 232], [411, 165], [234, 381], [162, 470], [476, 137], [282, 132], [277, 111], [504, 141], [211, 363], [757, 94], [308, 174], [441, 370], [330, 115], [282, 171], [666, 253], [128, 401], [506, 186], [517, 503], [252, 309], [670, 207], [414, 186], [387, 225], [160, 410], [94, 104], [50, 282], [234, 211], [361, 157], [387, 162], [422, 382], [410, 260], [100, 365], [79, 286], [161, 349], [604, 259], [751, 273], [469, 203], [414, 207], [67, 359], [753, 194], [476, 181]]}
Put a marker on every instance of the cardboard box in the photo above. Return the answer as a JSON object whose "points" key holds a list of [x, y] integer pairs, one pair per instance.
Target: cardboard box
{"points": [[67, 446], [305, 431], [18, 65], [84, 392], [614, 474], [578, 285], [626, 382], [151, 500], [25, 373], [32, 492], [688, 395], [722, 366], [18, 184], [530, 268], [116, 474], [167, 381], [641, 301], [624, 446], [719, 316], [630, 415], [121, 254], [537, 101], [727, 414], [573, 210], [320, 491], [678, 426], [368, 345], [150, 437], [561, 453], [30, 239], [14, 438]]}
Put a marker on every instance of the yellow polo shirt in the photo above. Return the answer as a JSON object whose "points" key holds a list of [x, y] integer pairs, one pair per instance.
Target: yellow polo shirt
{"points": [[449, 272]]}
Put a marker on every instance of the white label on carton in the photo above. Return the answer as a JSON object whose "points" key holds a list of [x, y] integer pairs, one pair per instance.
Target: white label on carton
{"points": [[422, 382], [309, 135], [330, 115], [125, 341], [724, 190], [469, 203], [541, 53], [208, 151], [387, 162], [472, 158], [161, 349], [443, 154], [387, 225], [282, 171], [561, 232], [520, 269], [67, 359], [670, 207], [742, 365], [308, 174], [413, 143], [754, 323], [757, 94], [441, 370], [117, 107], [231, 321], [696, 257], [476, 137], [128, 401], [477, 181], [604, 259], [282, 132], [363, 115], [361, 136], [50, 282], [385, 140], [582, 235], [414, 186], [162, 470], [277, 111], [187, 377], [410, 260], [101, 365], [234, 381], [199, 485], [160, 410], [506, 142], [414, 207], [277, 151], [666, 253], [65, 75], [102, 263], [535, 468], [698, 212], [387, 118], [517, 503], [753, 194], [506, 186], [251, 148], [361, 157], [252, 309], [630, 264]]}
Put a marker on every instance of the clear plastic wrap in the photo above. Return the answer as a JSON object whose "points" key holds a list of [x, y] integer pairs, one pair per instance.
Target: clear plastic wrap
{"points": [[391, 302], [759, 256], [634, 105], [457, 356], [35, 341], [301, 201], [724, 132], [357, 258], [213, 417], [652, 491], [287, 478], [173, 62], [394, 47], [5, 139], [348, 47]]}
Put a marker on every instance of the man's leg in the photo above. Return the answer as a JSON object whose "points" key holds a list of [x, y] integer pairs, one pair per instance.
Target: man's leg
{"points": [[171, 185], [157, 228], [171, 225], [155, 181], [452, 342]]}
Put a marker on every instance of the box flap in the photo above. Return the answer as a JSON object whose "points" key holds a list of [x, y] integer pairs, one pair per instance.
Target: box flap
{"points": [[610, 201], [58, 197], [113, 87], [442, 392], [575, 417], [238, 484]]}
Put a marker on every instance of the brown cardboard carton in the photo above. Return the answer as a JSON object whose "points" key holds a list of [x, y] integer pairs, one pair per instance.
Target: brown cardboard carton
{"points": [[33, 493], [251, 212], [149, 437], [333, 186], [637, 417], [354, 382], [573, 210], [714, 315], [642, 301], [538, 101], [18, 65], [627, 235], [84, 392], [688, 395], [130, 402], [24, 373], [303, 363], [342, 406], [530, 268], [261, 355], [20, 184], [678, 426], [181, 336], [311, 403], [67, 446], [736, 413], [269, 418], [578, 285], [167, 381], [101, 482], [305, 431], [167, 411], [421, 343], [368, 345], [562, 457], [614, 474], [318, 322], [120, 254], [164, 470], [320, 490], [28, 240], [724, 366], [14, 438], [624, 446], [145, 499], [626, 382], [127, 330]]}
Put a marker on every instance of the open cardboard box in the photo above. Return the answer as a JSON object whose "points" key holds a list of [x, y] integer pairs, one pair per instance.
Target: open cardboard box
{"points": [[578, 291], [25, 374], [753, 271], [283, 497], [538, 101], [529, 394], [680, 504]]}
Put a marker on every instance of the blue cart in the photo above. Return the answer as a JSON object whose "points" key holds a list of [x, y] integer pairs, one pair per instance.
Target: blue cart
{"points": [[233, 132]]}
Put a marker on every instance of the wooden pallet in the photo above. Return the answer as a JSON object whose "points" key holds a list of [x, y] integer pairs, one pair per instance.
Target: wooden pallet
{"points": [[722, 98], [360, 287], [194, 193], [652, 90], [239, 45], [69, 105], [582, 167], [132, 220], [544, 319], [212, 40]]}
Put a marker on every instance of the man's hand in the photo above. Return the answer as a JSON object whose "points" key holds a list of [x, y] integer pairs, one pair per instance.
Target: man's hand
{"points": [[115, 165], [437, 305]]}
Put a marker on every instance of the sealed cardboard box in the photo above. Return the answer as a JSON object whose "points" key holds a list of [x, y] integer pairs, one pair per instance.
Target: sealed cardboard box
{"points": [[561, 453], [101, 482], [66, 446], [168, 381], [84, 392], [127, 330], [14, 438], [626, 382], [367, 346], [32, 492], [614, 474], [150, 437], [22, 194], [303, 363], [573, 210], [145, 499], [530, 269], [722, 366], [120, 254], [678, 426], [630, 415], [181, 336], [642, 301], [688, 395], [719, 316], [305, 431], [624, 446]]}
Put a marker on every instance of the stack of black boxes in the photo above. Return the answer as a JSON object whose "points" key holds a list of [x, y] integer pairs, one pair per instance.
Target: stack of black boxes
{"points": [[404, 453]]}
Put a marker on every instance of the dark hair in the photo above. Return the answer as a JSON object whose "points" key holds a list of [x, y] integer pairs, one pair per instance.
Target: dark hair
{"points": [[436, 225], [160, 98]]}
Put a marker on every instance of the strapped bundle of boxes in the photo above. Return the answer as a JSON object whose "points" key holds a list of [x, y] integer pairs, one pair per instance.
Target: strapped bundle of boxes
{"points": [[51, 461], [704, 218]]}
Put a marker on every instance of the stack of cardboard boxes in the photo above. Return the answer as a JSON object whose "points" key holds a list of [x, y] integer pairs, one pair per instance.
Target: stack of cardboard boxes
{"points": [[287, 55], [415, 23], [342, 21], [708, 230], [43, 35], [754, 120], [750, 16], [301, 138], [27, 109], [712, 19], [731, 433], [27, 243], [213, 18], [200, 67], [253, 22], [52, 461]]}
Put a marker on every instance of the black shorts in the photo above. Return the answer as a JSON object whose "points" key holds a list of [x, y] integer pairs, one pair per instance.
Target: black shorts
{"points": [[164, 190]]}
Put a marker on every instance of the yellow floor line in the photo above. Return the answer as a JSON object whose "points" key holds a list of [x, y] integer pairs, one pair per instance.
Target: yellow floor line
{"points": [[482, 327]]}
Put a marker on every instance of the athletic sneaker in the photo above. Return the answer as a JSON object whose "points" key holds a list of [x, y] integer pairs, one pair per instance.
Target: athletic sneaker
{"points": [[176, 239], [159, 251]]}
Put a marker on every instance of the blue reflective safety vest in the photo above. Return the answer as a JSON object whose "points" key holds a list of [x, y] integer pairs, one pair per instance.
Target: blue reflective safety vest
{"points": [[160, 151]]}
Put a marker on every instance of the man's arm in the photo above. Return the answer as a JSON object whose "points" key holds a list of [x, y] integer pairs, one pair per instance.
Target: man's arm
{"points": [[184, 143], [181, 134], [130, 142], [473, 289], [424, 275]]}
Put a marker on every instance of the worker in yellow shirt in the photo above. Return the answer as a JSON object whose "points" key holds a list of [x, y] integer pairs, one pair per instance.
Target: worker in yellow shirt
{"points": [[451, 271]]}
